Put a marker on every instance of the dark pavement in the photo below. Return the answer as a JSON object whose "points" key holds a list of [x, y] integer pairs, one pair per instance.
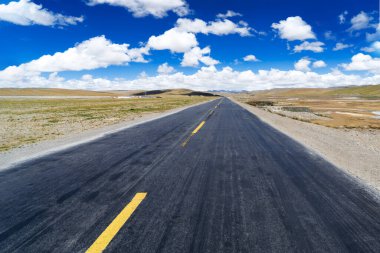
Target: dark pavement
{"points": [[238, 185]]}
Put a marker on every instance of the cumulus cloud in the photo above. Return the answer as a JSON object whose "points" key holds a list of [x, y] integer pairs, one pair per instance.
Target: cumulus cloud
{"points": [[316, 47], [302, 65], [218, 27], [165, 69], [175, 40], [360, 21], [25, 12], [206, 78], [196, 55], [376, 46], [182, 39], [319, 64], [294, 28], [229, 14], [341, 46], [363, 62], [142, 8], [374, 36], [97, 52], [305, 63], [250, 57]]}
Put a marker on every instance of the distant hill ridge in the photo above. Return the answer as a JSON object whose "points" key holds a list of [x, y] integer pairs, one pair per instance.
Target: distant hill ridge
{"points": [[184, 92], [111, 93], [366, 91]]}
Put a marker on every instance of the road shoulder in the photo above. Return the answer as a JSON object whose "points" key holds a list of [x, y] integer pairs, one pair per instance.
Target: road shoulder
{"points": [[353, 151]]}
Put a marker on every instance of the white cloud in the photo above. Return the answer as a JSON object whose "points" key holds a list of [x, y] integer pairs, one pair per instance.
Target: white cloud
{"points": [[342, 17], [192, 26], [165, 69], [175, 40], [229, 14], [367, 49], [319, 64], [137, 54], [302, 65], [206, 78], [85, 77], [316, 47], [376, 46], [363, 62], [142, 75], [294, 28], [97, 52], [250, 57], [25, 12], [374, 36], [360, 21], [182, 39], [142, 8], [329, 35], [196, 55], [218, 27], [341, 46]]}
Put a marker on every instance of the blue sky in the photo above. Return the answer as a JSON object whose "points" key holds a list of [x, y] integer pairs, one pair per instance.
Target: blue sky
{"points": [[258, 44]]}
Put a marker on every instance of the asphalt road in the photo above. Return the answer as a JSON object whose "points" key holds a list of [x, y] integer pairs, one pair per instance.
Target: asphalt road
{"points": [[234, 185]]}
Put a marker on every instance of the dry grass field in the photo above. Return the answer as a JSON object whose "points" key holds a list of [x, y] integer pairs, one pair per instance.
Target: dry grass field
{"points": [[29, 120], [350, 107]]}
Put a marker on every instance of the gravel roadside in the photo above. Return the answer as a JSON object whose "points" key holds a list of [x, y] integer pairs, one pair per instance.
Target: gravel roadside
{"points": [[354, 151]]}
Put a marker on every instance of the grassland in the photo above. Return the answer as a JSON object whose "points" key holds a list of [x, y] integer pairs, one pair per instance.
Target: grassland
{"points": [[26, 121], [346, 107], [364, 92]]}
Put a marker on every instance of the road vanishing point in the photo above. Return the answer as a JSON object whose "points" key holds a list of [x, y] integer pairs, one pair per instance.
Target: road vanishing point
{"points": [[211, 178]]}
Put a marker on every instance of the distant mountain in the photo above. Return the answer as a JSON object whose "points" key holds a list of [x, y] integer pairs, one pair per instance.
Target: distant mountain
{"points": [[227, 91], [109, 93], [367, 91], [183, 92]]}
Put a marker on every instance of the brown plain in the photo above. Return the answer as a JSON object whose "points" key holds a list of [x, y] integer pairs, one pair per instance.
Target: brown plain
{"points": [[346, 107]]}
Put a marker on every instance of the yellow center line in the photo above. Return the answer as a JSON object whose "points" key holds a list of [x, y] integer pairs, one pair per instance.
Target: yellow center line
{"points": [[106, 237], [198, 127], [186, 141], [193, 133]]}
